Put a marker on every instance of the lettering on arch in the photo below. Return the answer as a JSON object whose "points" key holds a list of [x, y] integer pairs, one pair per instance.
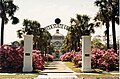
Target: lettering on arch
{"points": [[52, 26]]}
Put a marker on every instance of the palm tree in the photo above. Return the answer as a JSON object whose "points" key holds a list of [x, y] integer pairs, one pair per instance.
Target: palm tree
{"points": [[30, 27], [41, 37], [82, 25], [44, 40], [72, 37], [109, 12], [86, 27], [115, 14], [79, 26], [104, 16], [7, 8]]}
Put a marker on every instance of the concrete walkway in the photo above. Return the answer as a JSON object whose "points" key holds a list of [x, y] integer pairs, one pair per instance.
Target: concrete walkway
{"points": [[57, 70]]}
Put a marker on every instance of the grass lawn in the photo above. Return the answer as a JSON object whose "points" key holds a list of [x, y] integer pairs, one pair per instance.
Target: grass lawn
{"points": [[98, 72], [97, 76], [71, 66], [18, 76]]}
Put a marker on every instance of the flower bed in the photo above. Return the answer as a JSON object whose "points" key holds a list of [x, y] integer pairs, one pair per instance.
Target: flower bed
{"points": [[101, 59], [105, 60], [38, 60], [11, 59], [68, 56]]}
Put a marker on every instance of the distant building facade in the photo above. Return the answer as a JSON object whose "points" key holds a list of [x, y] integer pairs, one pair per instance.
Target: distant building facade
{"points": [[57, 40]]}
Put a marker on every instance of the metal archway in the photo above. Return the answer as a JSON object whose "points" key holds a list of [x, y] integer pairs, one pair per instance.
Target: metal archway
{"points": [[57, 25], [52, 26]]}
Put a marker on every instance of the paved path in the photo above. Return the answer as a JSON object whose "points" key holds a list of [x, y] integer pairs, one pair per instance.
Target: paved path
{"points": [[57, 70]]}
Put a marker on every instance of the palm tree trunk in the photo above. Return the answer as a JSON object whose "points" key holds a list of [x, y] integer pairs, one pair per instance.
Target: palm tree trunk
{"points": [[113, 31], [2, 23], [75, 46], [2, 31], [107, 33], [72, 45], [114, 35]]}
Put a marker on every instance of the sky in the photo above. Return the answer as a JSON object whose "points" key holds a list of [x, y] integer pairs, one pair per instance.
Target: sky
{"points": [[46, 11]]}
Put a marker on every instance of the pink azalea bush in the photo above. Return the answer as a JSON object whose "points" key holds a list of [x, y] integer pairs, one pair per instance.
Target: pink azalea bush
{"points": [[38, 60], [105, 60], [68, 56], [96, 57], [101, 59], [77, 59], [11, 58], [49, 57]]}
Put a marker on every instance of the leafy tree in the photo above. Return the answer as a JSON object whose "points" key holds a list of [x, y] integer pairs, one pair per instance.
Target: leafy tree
{"points": [[8, 8]]}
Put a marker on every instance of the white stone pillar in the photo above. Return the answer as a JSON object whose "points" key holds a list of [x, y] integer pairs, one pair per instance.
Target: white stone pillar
{"points": [[86, 53], [28, 47]]}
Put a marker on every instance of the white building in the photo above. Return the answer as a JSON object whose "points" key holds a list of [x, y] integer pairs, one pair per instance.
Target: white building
{"points": [[57, 40]]}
